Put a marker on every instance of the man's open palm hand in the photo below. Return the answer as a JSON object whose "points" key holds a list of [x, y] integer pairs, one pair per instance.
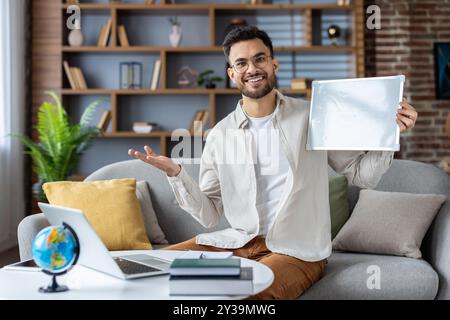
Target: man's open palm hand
{"points": [[161, 162]]}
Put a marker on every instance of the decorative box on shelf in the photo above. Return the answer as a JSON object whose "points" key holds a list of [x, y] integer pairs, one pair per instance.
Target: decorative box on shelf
{"points": [[144, 127]]}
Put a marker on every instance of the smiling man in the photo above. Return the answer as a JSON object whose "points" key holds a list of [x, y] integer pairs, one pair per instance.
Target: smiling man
{"points": [[273, 192]]}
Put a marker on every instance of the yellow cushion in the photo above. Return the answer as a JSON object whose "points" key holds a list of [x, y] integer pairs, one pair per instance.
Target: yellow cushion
{"points": [[110, 206]]}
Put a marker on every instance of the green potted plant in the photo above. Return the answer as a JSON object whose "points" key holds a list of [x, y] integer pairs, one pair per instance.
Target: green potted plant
{"points": [[207, 78], [60, 144]]}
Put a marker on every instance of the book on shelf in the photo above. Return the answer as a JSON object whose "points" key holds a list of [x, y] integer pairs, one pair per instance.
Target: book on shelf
{"points": [[123, 39], [75, 77], [205, 116], [105, 118], [70, 76], [105, 31], [155, 75], [79, 78], [145, 127], [210, 267], [241, 284], [198, 122], [100, 35]]}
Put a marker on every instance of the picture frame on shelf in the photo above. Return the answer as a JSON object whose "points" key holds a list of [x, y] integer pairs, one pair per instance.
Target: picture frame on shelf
{"points": [[442, 69], [187, 77]]}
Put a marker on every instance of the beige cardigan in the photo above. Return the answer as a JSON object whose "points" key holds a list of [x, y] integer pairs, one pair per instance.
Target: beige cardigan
{"points": [[302, 225]]}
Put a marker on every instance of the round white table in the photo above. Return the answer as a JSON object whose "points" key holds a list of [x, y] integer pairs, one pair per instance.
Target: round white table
{"points": [[88, 284]]}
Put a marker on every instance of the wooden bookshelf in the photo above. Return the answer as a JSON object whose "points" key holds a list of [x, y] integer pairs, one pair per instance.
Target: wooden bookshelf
{"points": [[200, 49], [206, 7], [211, 11], [49, 47], [125, 134], [218, 91]]}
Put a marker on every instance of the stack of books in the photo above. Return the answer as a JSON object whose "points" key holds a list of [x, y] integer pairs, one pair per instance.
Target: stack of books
{"points": [[210, 277], [144, 127], [75, 77]]}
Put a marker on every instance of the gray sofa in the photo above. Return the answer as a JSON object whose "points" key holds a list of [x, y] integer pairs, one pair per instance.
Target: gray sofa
{"points": [[347, 274]]}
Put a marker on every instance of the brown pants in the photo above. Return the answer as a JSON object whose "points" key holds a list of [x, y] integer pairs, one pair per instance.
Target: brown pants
{"points": [[291, 275]]}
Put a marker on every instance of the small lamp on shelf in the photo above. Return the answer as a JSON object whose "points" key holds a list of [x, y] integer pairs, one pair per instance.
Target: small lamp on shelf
{"points": [[334, 32]]}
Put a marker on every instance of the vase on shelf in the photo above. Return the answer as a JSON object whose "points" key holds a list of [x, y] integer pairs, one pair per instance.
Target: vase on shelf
{"points": [[210, 85], [175, 35], [75, 38]]}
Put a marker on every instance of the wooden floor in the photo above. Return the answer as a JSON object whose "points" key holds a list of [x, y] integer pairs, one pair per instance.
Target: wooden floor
{"points": [[9, 256]]}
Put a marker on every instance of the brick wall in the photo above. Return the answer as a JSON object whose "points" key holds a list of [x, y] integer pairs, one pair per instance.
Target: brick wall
{"points": [[404, 45]]}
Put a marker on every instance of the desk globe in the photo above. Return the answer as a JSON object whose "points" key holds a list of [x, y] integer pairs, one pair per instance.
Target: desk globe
{"points": [[55, 249]]}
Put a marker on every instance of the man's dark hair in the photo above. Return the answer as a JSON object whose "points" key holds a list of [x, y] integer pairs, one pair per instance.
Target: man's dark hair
{"points": [[242, 34]]}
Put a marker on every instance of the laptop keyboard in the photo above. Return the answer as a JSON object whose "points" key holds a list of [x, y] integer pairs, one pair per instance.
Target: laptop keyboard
{"points": [[130, 267]]}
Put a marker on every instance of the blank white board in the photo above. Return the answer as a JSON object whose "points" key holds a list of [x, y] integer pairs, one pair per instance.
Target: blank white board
{"points": [[355, 114]]}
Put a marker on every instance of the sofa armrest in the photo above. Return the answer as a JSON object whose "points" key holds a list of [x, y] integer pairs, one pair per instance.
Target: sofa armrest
{"points": [[436, 249], [28, 228], [422, 178]]}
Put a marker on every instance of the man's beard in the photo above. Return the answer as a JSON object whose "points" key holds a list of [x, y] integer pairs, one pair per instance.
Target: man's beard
{"points": [[260, 92]]}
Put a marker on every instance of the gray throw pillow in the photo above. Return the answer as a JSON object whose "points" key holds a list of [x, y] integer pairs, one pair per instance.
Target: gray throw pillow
{"points": [[154, 232], [392, 223]]}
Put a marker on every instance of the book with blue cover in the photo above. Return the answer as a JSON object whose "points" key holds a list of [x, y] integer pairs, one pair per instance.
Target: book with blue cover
{"points": [[218, 267], [213, 285]]}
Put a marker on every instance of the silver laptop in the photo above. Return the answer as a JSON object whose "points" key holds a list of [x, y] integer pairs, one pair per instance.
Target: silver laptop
{"points": [[95, 255]]}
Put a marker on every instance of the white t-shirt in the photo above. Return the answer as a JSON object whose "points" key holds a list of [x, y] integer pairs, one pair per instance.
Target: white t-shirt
{"points": [[271, 169]]}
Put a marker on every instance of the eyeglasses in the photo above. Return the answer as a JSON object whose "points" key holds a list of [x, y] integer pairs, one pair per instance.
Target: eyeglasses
{"points": [[259, 61]]}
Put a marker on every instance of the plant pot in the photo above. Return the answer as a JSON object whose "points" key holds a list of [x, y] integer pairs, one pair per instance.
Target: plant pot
{"points": [[210, 85], [38, 192]]}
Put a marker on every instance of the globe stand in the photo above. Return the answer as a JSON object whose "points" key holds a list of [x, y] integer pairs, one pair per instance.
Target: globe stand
{"points": [[53, 287]]}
